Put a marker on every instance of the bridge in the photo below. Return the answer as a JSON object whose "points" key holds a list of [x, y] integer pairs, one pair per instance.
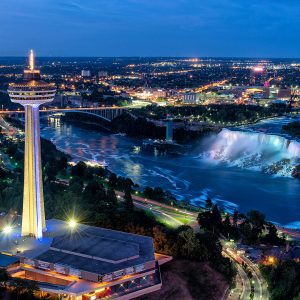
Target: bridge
{"points": [[105, 113]]}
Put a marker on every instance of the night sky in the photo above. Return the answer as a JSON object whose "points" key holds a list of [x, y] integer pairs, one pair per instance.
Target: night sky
{"points": [[245, 28]]}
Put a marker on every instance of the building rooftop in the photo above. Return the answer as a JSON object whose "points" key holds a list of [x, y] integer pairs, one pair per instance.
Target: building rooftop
{"points": [[84, 248], [6, 260]]}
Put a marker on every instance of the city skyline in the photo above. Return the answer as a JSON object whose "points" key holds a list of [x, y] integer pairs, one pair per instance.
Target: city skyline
{"points": [[139, 28]]}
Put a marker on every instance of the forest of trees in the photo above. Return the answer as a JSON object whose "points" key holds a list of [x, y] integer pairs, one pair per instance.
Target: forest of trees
{"points": [[223, 113], [251, 228], [283, 279], [292, 128]]}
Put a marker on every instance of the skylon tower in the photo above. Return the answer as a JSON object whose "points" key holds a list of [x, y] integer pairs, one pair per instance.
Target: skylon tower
{"points": [[31, 93]]}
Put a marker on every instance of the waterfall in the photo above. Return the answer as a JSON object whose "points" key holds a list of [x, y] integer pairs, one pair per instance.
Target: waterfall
{"points": [[254, 150]]}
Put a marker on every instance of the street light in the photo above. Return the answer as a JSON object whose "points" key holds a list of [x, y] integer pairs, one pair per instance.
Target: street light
{"points": [[7, 229], [72, 223]]}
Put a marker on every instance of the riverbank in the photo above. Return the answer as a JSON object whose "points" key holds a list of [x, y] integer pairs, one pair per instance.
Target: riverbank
{"points": [[144, 128]]}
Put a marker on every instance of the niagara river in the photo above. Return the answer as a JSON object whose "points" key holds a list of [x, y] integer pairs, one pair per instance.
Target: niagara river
{"points": [[244, 168]]}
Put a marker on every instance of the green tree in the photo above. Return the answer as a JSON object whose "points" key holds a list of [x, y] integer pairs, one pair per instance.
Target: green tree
{"points": [[235, 217], [190, 245], [128, 202], [79, 169], [208, 203], [4, 277]]}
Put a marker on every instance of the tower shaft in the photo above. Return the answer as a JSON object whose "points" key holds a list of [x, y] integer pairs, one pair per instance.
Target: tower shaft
{"points": [[33, 222], [31, 93]]}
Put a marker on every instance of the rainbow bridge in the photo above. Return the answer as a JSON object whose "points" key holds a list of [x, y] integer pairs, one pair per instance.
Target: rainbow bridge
{"points": [[105, 113]]}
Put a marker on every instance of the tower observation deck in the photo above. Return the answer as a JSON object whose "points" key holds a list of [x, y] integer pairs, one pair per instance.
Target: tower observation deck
{"points": [[31, 93]]}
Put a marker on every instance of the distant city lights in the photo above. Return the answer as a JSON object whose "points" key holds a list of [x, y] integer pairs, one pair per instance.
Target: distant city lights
{"points": [[258, 69]]}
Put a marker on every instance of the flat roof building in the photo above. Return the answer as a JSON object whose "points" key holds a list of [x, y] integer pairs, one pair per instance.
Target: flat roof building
{"points": [[191, 98], [85, 262]]}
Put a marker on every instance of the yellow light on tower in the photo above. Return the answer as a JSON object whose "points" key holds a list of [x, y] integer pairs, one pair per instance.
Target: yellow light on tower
{"points": [[31, 60]]}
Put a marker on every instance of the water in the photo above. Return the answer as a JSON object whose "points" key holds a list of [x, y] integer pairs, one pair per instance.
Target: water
{"points": [[228, 179], [256, 151]]}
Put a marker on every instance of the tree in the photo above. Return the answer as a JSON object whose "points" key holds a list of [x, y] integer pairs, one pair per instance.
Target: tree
{"points": [[190, 245], [226, 228], [113, 179], [272, 236], [4, 277], [23, 287], [79, 169], [235, 217], [62, 163], [128, 202], [283, 279], [257, 219], [208, 203], [162, 241], [210, 220], [112, 198]]}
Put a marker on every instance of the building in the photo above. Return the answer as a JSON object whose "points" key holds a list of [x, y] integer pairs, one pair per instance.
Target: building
{"points": [[284, 94], [257, 75], [85, 73], [102, 74], [191, 98], [159, 94], [31, 93], [83, 262]]}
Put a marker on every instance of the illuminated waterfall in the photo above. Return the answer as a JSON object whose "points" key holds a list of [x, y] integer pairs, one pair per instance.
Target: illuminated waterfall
{"points": [[257, 151]]}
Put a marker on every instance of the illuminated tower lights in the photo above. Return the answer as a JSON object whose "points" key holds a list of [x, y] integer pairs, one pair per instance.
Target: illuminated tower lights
{"points": [[31, 93]]}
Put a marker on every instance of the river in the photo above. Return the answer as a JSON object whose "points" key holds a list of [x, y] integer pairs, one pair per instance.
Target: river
{"points": [[233, 179]]}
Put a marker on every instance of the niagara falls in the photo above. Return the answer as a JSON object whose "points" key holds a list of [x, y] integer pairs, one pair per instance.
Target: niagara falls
{"points": [[258, 151]]}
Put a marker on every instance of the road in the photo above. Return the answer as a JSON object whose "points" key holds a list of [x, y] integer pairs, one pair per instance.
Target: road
{"points": [[257, 280], [243, 288], [167, 214]]}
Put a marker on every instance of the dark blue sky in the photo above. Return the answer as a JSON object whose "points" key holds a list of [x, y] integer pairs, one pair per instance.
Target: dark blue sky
{"points": [[257, 28]]}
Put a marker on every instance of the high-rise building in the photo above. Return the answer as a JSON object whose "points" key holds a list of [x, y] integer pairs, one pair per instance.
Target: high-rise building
{"points": [[191, 98], [102, 74], [31, 93], [85, 73]]}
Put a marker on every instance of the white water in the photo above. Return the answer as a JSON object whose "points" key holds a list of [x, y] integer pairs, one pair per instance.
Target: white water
{"points": [[257, 151]]}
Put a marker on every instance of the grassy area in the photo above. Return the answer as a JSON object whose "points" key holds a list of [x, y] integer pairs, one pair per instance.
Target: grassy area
{"points": [[166, 221]]}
